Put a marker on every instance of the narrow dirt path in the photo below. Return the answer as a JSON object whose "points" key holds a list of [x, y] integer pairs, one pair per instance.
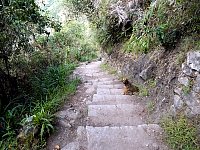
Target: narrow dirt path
{"points": [[100, 117]]}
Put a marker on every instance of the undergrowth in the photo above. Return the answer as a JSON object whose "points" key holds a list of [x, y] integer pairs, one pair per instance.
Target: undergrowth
{"points": [[38, 81], [51, 88], [109, 68], [181, 133], [163, 23]]}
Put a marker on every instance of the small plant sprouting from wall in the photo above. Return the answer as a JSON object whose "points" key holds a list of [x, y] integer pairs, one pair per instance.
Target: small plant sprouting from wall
{"points": [[150, 106], [143, 91]]}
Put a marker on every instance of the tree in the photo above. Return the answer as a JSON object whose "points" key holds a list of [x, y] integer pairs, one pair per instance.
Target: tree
{"points": [[20, 21]]}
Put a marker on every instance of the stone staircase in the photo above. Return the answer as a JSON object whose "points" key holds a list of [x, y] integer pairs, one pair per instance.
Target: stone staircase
{"points": [[115, 121]]}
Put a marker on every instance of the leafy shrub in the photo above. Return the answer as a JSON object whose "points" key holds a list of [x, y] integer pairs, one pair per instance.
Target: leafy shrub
{"points": [[50, 89], [164, 24], [181, 134], [51, 79], [143, 91], [35, 67]]}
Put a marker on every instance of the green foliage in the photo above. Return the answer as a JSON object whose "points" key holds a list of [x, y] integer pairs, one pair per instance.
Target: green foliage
{"points": [[51, 79], [54, 86], [150, 106], [108, 68], [137, 44], [180, 58], [152, 83], [109, 30], [36, 68], [82, 6], [73, 43], [186, 89], [181, 134], [163, 24], [18, 29], [43, 119], [143, 91]]}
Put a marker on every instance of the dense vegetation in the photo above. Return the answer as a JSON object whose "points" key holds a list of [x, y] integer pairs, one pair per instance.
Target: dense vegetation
{"points": [[38, 53], [138, 27], [142, 25], [37, 57]]}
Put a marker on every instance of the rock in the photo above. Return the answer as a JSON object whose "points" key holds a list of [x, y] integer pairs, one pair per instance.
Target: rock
{"points": [[155, 146], [196, 86], [147, 73], [163, 102], [70, 113], [65, 123], [195, 110], [90, 90], [186, 69], [178, 103], [193, 103], [184, 81], [28, 130], [192, 112], [191, 99], [173, 110], [193, 60], [178, 91], [71, 146]]}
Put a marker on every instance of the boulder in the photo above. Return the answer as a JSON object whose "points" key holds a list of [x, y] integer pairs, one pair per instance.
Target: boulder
{"points": [[196, 86], [193, 60], [178, 91], [184, 81], [147, 73], [28, 130], [186, 69], [192, 100], [178, 103], [172, 110]]}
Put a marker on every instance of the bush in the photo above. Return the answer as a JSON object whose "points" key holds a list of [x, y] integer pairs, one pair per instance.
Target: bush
{"points": [[51, 79], [164, 24], [181, 134], [50, 88]]}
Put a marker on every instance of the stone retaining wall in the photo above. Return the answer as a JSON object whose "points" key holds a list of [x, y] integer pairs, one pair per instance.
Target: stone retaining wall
{"points": [[177, 89]]}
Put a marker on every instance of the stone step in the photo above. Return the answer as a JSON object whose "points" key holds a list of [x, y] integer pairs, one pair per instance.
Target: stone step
{"points": [[112, 99], [104, 79], [107, 78], [139, 137], [99, 74], [111, 82], [114, 86], [106, 91], [115, 115], [88, 67]]}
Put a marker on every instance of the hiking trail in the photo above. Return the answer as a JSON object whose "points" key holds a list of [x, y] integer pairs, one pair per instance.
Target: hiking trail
{"points": [[100, 117]]}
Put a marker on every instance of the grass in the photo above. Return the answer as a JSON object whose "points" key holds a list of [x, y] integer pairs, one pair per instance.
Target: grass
{"points": [[163, 24], [52, 87], [181, 134], [107, 67], [143, 91], [152, 83], [150, 106], [180, 58], [187, 89]]}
